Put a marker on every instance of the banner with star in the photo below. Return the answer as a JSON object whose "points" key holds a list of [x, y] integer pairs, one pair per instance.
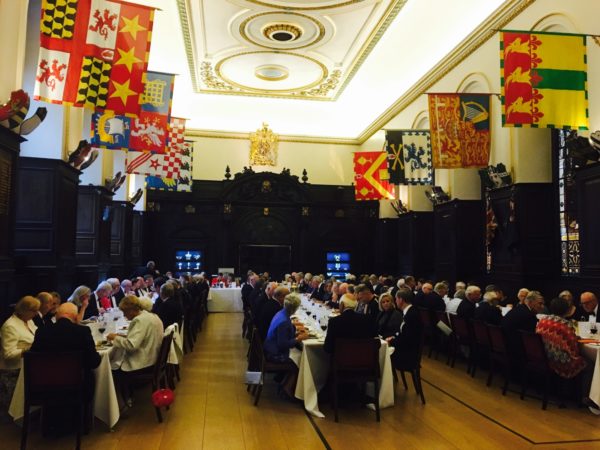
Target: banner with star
{"points": [[146, 132], [460, 130], [544, 80], [371, 176], [94, 54], [162, 165]]}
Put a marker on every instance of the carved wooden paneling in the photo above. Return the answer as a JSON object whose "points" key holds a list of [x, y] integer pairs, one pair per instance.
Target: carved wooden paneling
{"points": [[588, 211], [415, 249]]}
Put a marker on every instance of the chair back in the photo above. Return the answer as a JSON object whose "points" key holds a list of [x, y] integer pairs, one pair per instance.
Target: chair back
{"points": [[442, 316], [480, 333], [59, 375], [497, 339], [460, 326], [256, 360], [160, 367], [533, 346], [426, 318], [357, 356]]}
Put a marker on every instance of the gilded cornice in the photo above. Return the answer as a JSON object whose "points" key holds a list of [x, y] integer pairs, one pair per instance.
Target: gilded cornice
{"points": [[183, 7], [485, 31], [217, 134]]}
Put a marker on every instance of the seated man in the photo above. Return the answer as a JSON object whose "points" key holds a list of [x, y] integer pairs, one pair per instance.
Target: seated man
{"points": [[466, 308], [141, 344], [67, 336], [488, 310], [407, 340], [47, 309], [588, 306], [522, 317], [349, 324], [368, 303], [272, 306], [169, 309]]}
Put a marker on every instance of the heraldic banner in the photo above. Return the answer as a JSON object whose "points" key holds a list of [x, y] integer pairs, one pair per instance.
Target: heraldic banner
{"points": [[183, 183], [148, 132], [544, 80], [416, 150], [94, 54], [371, 176], [163, 165], [393, 146], [460, 130]]}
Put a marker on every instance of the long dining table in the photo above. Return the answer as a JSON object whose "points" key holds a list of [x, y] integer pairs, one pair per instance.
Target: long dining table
{"points": [[313, 362]]}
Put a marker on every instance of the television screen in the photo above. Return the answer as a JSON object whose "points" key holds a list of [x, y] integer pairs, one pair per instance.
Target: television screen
{"points": [[188, 262], [338, 264], [338, 257]]}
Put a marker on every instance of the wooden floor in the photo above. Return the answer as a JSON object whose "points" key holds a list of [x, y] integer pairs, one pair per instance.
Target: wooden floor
{"points": [[213, 411]]}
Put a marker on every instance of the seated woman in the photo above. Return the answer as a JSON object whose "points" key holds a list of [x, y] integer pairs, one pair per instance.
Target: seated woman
{"points": [[560, 340], [141, 344], [389, 319], [16, 337], [281, 337], [80, 298], [568, 296]]}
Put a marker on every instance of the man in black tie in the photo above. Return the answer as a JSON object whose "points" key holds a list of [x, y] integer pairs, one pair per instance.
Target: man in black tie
{"points": [[588, 306], [466, 308], [269, 309], [407, 341], [48, 306], [368, 303], [349, 325]]}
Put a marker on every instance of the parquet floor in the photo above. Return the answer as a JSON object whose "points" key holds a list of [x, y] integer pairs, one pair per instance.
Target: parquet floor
{"points": [[213, 411]]}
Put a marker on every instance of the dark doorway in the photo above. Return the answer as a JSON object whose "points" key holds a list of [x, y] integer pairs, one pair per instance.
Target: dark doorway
{"points": [[275, 259]]}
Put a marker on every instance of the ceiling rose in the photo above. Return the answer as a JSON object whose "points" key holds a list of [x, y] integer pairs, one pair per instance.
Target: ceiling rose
{"points": [[271, 72], [282, 32]]}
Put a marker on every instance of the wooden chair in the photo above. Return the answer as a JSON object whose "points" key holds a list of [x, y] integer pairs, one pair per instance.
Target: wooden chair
{"points": [[157, 374], [535, 363], [415, 373], [499, 357], [51, 380], [355, 360], [481, 344], [445, 341], [258, 362], [462, 337], [429, 330]]}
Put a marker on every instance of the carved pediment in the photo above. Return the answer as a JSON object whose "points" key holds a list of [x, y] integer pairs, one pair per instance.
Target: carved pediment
{"points": [[266, 187]]}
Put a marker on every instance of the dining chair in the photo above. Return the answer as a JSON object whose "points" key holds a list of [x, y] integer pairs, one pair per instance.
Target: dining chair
{"points": [[462, 337], [536, 363], [415, 372], [429, 330], [481, 344], [499, 357], [53, 380], [355, 360]]}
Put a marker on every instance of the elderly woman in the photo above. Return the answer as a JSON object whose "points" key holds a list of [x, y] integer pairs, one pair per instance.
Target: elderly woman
{"points": [[81, 298], [568, 296], [389, 319], [16, 337], [281, 337], [560, 340]]}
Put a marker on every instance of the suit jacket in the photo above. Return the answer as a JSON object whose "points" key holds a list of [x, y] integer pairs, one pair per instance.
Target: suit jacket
{"points": [[518, 318], [466, 309], [246, 290], [118, 297], [349, 325], [267, 312], [170, 312], [488, 314], [92, 309], [582, 315], [408, 340], [66, 336], [388, 322], [434, 302], [41, 322]]}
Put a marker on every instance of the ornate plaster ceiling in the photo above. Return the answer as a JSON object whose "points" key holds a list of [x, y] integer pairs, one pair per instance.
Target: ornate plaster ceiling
{"points": [[244, 62], [316, 46]]}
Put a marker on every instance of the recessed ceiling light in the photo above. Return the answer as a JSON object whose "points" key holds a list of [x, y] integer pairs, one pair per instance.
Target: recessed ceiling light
{"points": [[282, 32], [271, 72]]}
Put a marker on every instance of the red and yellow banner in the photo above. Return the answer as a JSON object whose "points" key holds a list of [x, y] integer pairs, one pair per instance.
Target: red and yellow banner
{"points": [[544, 80], [94, 54], [460, 130], [371, 176]]}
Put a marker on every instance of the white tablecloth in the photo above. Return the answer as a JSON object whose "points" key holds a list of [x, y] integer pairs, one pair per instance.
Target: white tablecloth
{"points": [[314, 367], [225, 300], [106, 404], [592, 353]]}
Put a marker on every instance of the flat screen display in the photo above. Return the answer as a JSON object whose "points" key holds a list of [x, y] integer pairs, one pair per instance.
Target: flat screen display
{"points": [[188, 262]]}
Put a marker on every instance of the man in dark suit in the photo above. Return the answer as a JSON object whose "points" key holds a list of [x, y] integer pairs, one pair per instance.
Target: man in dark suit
{"points": [[67, 336], [588, 306], [521, 318], [169, 309], [247, 288], [466, 308], [48, 306], [488, 311], [269, 309], [349, 325], [430, 299], [368, 303], [407, 340]]}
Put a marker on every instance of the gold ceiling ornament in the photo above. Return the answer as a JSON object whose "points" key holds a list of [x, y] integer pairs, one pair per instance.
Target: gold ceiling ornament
{"points": [[210, 80], [243, 30], [323, 89], [263, 147], [282, 32]]}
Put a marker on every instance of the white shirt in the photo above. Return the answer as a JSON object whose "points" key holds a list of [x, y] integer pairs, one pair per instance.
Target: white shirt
{"points": [[142, 343], [16, 336], [404, 310]]}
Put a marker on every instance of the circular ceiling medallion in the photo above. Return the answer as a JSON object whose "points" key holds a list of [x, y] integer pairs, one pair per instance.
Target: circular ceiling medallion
{"points": [[278, 30], [271, 72], [282, 32], [305, 5]]}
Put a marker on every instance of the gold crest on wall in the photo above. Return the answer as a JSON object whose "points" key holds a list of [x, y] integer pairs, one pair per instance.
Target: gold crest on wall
{"points": [[263, 147]]}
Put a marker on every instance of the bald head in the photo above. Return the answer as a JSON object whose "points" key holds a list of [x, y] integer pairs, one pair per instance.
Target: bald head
{"points": [[67, 311], [589, 301]]}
